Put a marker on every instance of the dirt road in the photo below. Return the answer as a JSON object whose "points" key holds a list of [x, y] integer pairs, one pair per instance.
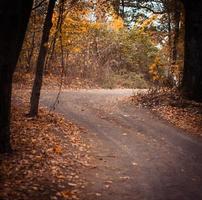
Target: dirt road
{"points": [[136, 156]]}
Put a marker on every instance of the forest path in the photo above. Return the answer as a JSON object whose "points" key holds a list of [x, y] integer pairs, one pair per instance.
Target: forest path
{"points": [[136, 156]]}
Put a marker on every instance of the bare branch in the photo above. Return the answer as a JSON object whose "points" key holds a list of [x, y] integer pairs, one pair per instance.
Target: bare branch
{"points": [[38, 5]]}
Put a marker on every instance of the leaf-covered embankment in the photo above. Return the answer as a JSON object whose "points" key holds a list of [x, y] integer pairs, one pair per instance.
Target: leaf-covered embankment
{"points": [[171, 106], [48, 158]]}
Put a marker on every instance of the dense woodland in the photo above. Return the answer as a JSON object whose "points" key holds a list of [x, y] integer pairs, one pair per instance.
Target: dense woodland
{"points": [[134, 44]]}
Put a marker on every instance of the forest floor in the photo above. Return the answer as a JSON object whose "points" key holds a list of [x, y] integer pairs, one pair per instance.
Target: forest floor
{"points": [[49, 156], [25, 81], [53, 81], [121, 148], [169, 105]]}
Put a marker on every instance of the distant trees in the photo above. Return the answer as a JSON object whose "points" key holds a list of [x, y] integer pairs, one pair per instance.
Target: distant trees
{"points": [[191, 82], [14, 18], [168, 32], [102, 50]]}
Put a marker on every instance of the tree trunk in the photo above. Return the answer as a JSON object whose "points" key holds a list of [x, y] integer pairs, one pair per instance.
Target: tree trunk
{"points": [[192, 76], [14, 16], [32, 48], [5, 100], [177, 14], [34, 101], [169, 37]]}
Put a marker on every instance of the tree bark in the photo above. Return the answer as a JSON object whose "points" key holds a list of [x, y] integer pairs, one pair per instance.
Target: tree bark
{"points": [[192, 76], [36, 90], [5, 100], [177, 14], [32, 47], [14, 17]]}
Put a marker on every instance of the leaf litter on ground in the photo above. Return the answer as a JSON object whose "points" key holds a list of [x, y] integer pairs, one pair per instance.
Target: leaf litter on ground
{"points": [[169, 105], [49, 155]]}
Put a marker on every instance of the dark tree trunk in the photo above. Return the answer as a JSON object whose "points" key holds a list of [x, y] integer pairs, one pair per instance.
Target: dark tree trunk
{"points": [[177, 14], [5, 100], [192, 76], [14, 16], [34, 101]]}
